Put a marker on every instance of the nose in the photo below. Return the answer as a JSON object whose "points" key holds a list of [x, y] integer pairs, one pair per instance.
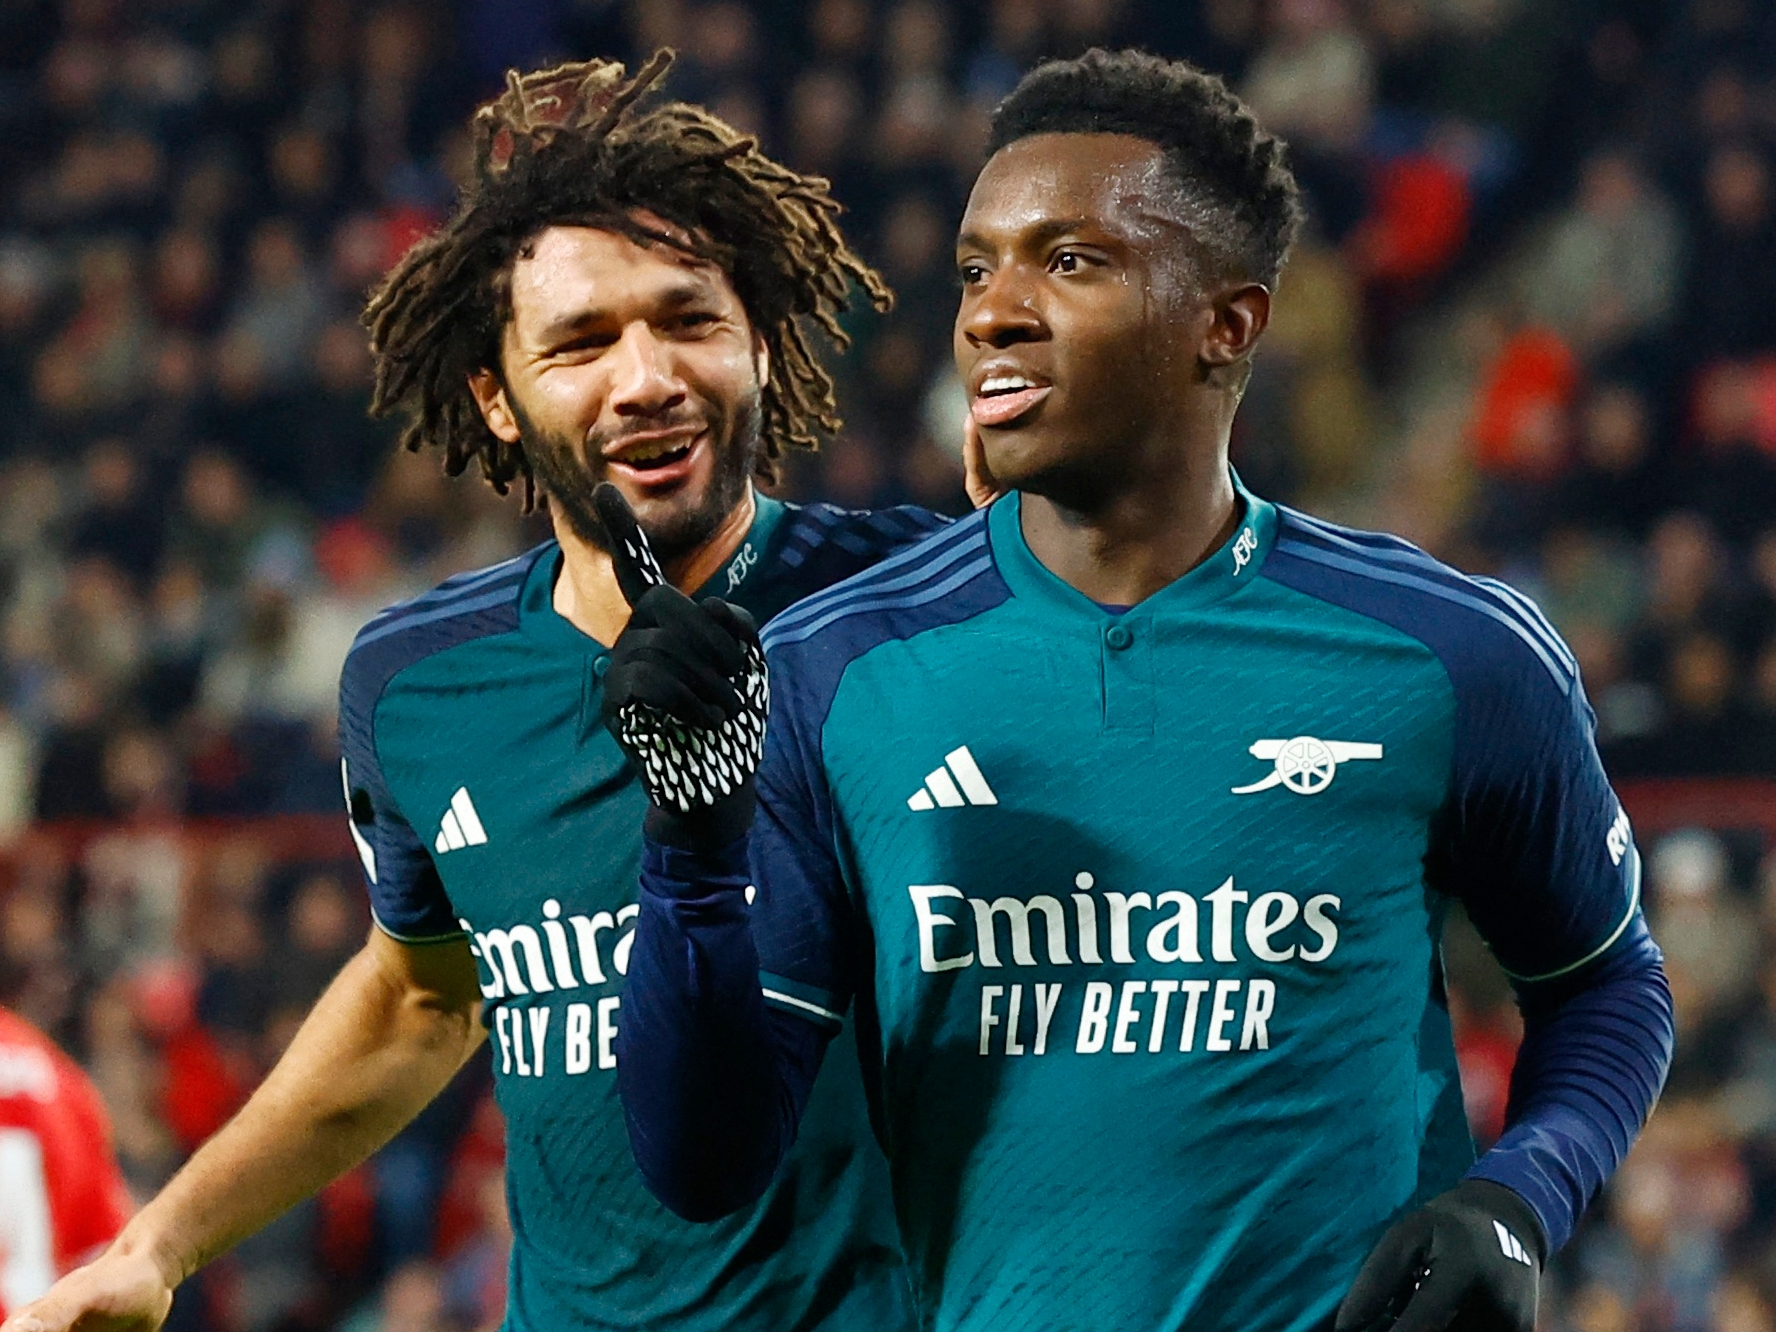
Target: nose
{"points": [[1003, 312], [645, 379]]}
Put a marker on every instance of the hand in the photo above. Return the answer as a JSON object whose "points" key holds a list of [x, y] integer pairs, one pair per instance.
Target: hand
{"points": [[686, 695], [977, 477], [116, 1292], [1470, 1260]]}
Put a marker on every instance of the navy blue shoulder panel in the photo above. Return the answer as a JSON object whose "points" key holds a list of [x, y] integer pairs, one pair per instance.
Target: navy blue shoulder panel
{"points": [[945, 578], [464, 606], [405, 894], [818, 545], [1533, 840], [802, 922], [1537, 846]]}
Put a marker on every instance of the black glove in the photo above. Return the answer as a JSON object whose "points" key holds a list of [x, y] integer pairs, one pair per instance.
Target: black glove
{"points": [[1469, 1260], [686, 695]]}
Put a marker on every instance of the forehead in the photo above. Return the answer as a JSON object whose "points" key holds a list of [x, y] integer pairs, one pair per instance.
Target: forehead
{"points": [[569, 270], [1115, 181]]}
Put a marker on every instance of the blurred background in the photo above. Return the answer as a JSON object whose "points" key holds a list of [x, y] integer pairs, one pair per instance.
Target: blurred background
{"points": [[1532, 327]]}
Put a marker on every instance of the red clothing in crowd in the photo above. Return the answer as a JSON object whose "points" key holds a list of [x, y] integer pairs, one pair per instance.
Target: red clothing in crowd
{"points": [[63, 1195]]}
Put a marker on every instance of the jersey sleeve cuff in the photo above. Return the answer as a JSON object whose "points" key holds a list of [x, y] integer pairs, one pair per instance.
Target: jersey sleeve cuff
{"points": [[1610, 940], [418, 933], [821, 1007], [682, 873], [1544, 1194]]}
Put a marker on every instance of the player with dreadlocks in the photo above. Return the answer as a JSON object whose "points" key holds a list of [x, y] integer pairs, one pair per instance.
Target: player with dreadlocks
{"points": [[676, 178], [627, 294]]}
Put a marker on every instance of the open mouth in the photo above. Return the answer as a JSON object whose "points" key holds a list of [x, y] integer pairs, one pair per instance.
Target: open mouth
{"points": [[657, 454], [664, 459], [1003, 399]]}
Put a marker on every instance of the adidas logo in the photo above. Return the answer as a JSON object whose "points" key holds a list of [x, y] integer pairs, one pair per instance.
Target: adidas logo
{"points": [[958, 782], [461, 825], [1511, 1246]]}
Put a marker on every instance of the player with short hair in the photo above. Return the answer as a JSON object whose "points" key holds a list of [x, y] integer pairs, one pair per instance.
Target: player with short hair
{"points": [[1126, 814], [626, 292]]}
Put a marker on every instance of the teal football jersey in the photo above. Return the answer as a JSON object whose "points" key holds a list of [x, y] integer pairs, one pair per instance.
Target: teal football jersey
{"points": [[1140, 911], [487, 801]]}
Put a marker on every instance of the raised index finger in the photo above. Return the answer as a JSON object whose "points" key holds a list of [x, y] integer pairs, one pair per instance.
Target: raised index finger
{"points": [[632, 557]]}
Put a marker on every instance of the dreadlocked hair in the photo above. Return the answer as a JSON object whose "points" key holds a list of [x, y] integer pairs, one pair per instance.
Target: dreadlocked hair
{"points": [[1242, 203], [574, 146]]}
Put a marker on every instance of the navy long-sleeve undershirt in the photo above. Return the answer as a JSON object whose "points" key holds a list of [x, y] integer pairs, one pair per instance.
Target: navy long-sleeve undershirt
{"points": [[1595, 1052], [714, 1082]]}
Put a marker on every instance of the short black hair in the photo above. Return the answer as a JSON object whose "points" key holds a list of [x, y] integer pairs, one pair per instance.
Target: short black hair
{"points": [[1245, 202]]}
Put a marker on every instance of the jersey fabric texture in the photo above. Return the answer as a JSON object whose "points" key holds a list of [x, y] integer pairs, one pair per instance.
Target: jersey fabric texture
{"points": [[61, 1194], [487, 801], [1140, 911]]}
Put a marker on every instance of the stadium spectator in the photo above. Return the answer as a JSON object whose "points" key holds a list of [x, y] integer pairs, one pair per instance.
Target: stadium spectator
{"points": [[1606, 269], [1731, 288]]}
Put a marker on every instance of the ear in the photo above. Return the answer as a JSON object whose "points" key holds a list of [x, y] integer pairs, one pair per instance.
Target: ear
{"points": [[496, 410], [761, 360], [1238, 316]]}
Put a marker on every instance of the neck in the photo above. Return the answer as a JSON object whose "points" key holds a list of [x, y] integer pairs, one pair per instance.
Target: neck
{"points": [[1129, 543], [587, 596]]}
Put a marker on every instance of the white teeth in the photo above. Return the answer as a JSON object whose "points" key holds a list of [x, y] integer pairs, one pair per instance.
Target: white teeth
{"points": [[1006, 384]]}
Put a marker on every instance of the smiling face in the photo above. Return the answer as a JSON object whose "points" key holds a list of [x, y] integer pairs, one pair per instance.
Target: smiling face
{"points": [[632, 364], [1082, 319]]}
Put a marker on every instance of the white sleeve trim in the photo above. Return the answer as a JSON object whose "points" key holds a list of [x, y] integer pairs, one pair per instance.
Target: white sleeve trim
{"points": [[1604, 947], [779, 997]]}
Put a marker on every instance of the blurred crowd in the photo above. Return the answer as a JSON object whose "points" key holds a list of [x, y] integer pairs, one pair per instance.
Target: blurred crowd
{"points": [[1532, 326]]}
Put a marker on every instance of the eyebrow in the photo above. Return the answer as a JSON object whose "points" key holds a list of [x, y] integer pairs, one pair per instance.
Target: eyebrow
{"points": [[1041, 233], [677, 296]]}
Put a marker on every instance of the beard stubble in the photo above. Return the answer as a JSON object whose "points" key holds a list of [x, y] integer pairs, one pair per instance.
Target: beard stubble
{"points": [[567, 472]]}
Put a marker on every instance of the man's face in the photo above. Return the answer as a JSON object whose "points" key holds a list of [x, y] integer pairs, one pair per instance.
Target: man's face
{"points": [[1081, 316], [636, 365]]}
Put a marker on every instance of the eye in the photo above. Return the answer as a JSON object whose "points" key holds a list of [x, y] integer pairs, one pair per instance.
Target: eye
{"points": [[1069, 261], [587, 342], [971, 275], [695, 319]]}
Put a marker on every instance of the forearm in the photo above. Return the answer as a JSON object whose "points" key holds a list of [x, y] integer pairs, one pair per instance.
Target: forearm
{"points": [[1592, 1062], [713, 1084], [371, 1055]]}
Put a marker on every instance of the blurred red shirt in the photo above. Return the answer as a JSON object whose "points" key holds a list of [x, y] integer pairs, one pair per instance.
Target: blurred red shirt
{"points": [[63, 1194]]}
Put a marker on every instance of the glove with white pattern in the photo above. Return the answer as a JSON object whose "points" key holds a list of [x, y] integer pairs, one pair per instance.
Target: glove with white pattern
{"points": [[686, 695]]}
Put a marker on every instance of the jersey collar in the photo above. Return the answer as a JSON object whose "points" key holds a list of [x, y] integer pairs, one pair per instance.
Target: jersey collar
{"points": [[1232, 567], [536, 604], [744, 564]]}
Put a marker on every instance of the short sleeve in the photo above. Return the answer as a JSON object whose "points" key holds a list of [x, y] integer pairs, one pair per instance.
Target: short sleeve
{"points": [[407, 898], [803, 922], [1537, 845]]}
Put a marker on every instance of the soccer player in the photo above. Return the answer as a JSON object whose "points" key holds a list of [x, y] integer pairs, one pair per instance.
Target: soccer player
{"points": [[61, 1195], [624, 293], [1125, 815]]}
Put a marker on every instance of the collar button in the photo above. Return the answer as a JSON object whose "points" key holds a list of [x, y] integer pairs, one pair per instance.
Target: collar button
{"points": [[1119, 636]]}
